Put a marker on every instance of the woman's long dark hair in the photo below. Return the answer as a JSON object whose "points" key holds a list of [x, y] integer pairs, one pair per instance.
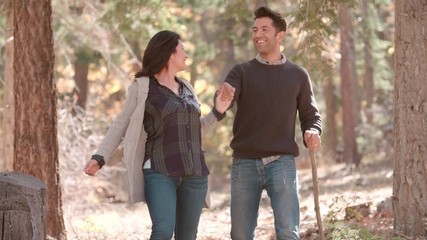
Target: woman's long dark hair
{"points": [[158, 51]]}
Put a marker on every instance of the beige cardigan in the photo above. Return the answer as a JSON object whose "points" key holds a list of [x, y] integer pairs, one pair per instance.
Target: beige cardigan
{"points": [[128, 126]]}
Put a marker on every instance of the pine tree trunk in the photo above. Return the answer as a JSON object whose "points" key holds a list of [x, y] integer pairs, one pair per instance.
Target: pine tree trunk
{"points": [[330, 135], [368, 82], [348, 86], [35, 128], [410, 120], [81, 71], [224, 57]]}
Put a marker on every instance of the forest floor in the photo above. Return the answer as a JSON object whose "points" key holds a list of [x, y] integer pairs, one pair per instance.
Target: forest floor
{"points": [[352, 203]]}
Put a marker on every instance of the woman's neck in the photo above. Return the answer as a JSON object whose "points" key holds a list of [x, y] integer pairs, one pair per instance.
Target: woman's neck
{"points": [[167, 79]]}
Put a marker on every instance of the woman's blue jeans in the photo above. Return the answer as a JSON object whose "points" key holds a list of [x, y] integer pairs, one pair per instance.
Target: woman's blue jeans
{"points": [[248, 179], [175, 204]]}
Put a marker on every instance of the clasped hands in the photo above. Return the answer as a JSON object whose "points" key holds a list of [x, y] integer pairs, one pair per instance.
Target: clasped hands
{"points": [[224, 97]]}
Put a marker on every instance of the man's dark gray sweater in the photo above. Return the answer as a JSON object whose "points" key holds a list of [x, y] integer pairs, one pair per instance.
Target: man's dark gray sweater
{"points": [[268, 98]]}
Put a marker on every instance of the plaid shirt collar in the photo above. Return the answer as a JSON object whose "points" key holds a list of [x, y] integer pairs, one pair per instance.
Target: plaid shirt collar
{"points": [[263, 61]]}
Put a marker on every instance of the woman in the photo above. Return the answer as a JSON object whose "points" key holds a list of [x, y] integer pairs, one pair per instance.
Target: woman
{"points": [[162, 140]]}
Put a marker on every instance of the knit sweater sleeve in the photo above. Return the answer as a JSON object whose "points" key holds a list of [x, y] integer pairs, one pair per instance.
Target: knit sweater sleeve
{"points": [[308, 112], [117, 129], [234, 78]]}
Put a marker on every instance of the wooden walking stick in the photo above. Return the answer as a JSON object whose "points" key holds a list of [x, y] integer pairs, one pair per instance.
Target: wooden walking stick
{"points": [[316, 193]]}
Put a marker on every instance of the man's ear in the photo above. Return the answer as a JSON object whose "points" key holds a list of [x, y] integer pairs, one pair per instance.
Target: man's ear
{"points": [[281, 35]]}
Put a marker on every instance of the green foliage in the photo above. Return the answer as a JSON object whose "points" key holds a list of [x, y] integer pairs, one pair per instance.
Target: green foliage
{"points": [[86, 55], [198, 6], [342, 230], [77, 36], [372, 26], [317, 24], [339, 229], [318, 50], [137, 19], [375, 27], [241, 15]]}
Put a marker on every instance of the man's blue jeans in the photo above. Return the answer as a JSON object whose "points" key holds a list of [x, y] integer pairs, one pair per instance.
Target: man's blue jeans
{"points": [[175, 204], [248, 179]]}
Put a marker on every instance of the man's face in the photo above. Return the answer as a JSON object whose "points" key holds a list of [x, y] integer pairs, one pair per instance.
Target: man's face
{"points": [[264, 36]]}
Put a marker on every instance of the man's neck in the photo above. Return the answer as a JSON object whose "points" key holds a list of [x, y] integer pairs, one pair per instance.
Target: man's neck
{"points": [[272, 58], [281, 60]]}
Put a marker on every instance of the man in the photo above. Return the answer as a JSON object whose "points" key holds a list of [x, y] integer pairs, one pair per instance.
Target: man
{"points": [[269, 91]]}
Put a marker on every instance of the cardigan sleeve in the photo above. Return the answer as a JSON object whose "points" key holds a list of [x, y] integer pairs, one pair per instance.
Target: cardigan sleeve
{"points": [[117, 129], [207, 122]]}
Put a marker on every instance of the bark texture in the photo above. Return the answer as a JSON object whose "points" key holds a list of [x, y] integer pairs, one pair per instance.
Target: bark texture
{"points": [[35, 128], [410, 119], [22, 207], [349, 85]]}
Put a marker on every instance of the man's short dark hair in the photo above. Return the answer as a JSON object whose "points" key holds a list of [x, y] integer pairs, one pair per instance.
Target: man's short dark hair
{"points": [[279, 23]]}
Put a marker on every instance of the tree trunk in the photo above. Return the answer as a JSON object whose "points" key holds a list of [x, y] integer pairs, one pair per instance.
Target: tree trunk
{"points": [[348, 86], [410, 127], [81, 70], [330, 145], [368, 81], [36, 145], [22, 207], [224, 57], [8, 104]]}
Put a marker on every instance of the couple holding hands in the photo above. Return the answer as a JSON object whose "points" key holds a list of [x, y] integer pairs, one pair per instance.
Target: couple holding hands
{"points": [[161, 128]]}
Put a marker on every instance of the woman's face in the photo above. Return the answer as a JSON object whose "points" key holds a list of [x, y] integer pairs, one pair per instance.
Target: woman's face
{"points": [[179, 57]]}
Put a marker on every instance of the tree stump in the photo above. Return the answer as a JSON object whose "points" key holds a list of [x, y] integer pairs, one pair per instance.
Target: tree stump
{"points": [[22, 207]]}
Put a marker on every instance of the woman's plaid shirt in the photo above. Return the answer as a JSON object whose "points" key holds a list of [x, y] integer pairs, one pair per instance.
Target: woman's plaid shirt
{"points": [[172, 122]]}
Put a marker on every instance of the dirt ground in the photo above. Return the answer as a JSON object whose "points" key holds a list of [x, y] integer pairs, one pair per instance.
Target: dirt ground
{"points": [[92, 211]]}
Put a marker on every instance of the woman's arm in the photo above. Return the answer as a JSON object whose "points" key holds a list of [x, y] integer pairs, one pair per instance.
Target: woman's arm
{"points": [[223, 99], [115, 133]]}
